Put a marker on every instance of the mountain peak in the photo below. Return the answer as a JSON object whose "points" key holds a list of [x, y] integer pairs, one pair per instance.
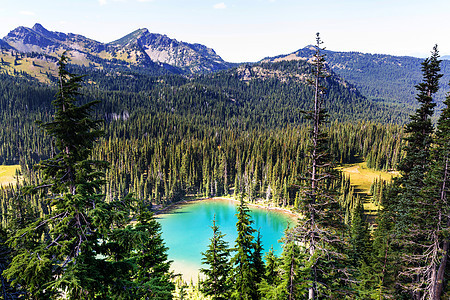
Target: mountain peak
{"points": [[49, 34], [130, 37], [39, 28], [19, 31], [143, 30]]}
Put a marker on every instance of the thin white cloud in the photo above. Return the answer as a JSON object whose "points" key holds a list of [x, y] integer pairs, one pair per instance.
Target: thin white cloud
{"points": [[27, 13], [144, 0], [104, 2], [220, 5]]}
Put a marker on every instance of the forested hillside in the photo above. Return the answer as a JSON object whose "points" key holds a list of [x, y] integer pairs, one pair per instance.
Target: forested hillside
{"points": [[379, 77], [244, 125]]}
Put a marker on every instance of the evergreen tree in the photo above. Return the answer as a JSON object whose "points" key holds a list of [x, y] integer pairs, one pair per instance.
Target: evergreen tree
{"points": [[376, 278], [321, 228], [216, 257], [243, 275], [151, 275], [286, 277], [80, 247], [47, 250], [436, 215], [361, 251], [409, 207], [360, 236], [257, 260], [270, 287], [294, 273], [271, 267], [6, 290]]}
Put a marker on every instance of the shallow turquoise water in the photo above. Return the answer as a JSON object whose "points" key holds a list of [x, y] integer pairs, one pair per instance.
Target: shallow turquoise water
{"points": [[186, 230]]}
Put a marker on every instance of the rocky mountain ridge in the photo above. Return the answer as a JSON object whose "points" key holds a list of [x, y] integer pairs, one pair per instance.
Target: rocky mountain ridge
{"points": [[160, 48], [139, 49]]}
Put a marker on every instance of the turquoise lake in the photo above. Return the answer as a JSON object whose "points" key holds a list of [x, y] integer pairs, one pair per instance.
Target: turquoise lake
{"points": [[187, 230]]}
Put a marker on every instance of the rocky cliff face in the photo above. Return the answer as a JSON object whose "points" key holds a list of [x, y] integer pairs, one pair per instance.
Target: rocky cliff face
{"points": [[191, 58]]}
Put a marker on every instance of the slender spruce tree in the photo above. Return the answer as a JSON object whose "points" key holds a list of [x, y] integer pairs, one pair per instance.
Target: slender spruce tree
{"points": [[216, 257], [7, 291], [361, 250], [321, 228], [436, 217], [410, 208], [83, 247], [243, 283], [295, 270], [286, 277], [143, 246], [47, 250], [359, 236], [259, 267], [271, 275], [270, 288], [377, 276]]}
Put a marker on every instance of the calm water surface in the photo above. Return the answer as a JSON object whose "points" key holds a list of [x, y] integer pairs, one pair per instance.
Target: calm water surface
{"points": [[186, 230]]}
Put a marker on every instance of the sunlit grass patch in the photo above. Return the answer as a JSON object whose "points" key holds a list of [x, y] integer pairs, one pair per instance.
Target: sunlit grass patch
{"points": [[362, 177], [8, 174]]}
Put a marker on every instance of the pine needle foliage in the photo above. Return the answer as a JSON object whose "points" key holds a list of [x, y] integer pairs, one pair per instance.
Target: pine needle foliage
{"points": [[217, 258], [244, 277], [408, 206], [321, 226]]}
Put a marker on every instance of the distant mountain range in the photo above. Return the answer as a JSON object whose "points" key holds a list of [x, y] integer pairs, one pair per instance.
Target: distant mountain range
{"points": [[140, 48], [35, 51]]}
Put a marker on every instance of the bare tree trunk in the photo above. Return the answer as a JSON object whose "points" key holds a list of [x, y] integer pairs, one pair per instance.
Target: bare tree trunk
{"points": [[291, 279], [384, 270], [438, 283], [312, 289]]}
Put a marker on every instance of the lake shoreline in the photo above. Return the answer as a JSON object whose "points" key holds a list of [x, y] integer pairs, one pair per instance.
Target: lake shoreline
{"points": [[184, 231], [165, 210]]}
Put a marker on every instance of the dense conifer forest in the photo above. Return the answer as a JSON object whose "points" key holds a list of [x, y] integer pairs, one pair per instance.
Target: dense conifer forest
{"points": [[80, 223], [166, 137]]}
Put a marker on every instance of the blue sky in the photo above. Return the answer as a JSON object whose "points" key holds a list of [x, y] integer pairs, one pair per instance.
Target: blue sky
{"points": [[249, 30]]}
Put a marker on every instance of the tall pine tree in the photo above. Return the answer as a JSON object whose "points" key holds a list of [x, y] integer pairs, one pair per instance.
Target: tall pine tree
{"points": [[321, 227], [82, 248], [409, 207], [216, 257], [48, 249], [436, 217], [244, 274]]}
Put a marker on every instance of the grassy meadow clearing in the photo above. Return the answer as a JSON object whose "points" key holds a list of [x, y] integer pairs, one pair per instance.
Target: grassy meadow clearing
{"points": [[8, 174], [362, 178]]}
